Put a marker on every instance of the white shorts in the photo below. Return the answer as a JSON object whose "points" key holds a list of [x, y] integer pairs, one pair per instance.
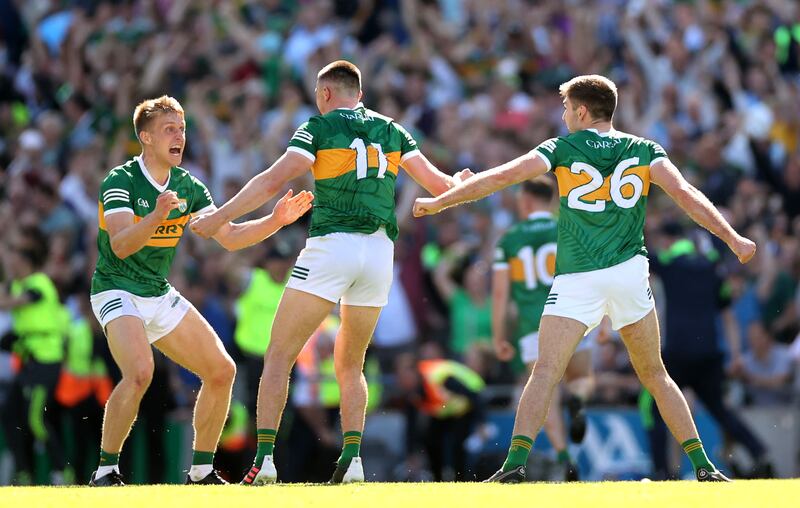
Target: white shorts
{"points": [[353, 267], [529, 346], [621, 291], [159, 314]]}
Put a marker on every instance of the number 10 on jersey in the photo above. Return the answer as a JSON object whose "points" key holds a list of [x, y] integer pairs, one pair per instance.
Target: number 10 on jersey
{"points": [[360, 147]]}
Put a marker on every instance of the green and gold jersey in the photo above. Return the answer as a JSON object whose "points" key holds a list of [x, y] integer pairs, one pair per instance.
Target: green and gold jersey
{"points": [[130, 188], [603, 183], [356, 154], [528, 252]]}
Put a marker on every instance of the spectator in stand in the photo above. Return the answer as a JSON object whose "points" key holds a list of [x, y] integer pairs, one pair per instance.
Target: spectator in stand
{"points": [[766, 369]]}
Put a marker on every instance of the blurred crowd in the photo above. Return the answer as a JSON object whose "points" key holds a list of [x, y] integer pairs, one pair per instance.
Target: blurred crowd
{"points": [[716, 83]]}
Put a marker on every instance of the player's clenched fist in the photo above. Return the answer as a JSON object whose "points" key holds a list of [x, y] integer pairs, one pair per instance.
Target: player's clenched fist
{"points": [[165, 203], [503, 349], [208, 224], [426, 206], [744, 249]]}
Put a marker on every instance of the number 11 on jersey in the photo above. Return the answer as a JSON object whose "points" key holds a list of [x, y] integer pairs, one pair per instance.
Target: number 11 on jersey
{"points": [[361, 158]]}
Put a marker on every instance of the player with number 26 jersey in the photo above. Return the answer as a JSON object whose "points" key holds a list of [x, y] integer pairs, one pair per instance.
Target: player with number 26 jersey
{"points": [[603, 183]]}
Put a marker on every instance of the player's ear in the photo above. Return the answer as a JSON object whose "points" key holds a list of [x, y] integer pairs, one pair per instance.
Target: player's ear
{"points": [[360, 95], [145, 138]]}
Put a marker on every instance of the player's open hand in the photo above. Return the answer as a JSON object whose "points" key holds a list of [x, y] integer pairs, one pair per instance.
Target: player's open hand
{"points": [[463, 175], [503, 350], [207, 224], [165, 203], [426, 206], [744, 249], [290, 208]]}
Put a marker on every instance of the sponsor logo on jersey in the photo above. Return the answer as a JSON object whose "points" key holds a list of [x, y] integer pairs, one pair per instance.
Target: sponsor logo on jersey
{"points": [[606, 143], [143, 203], [182, 206]]}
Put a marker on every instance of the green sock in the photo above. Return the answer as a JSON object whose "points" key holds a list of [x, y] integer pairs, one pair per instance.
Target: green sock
{"points": [[200, 458], [266, 443], [351, 448], [563, 456], [108, 459], [518, 452], [694, 449]]}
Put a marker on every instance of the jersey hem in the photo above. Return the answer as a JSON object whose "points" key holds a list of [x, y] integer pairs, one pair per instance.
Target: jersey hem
{"points": [[408, 155], [302, 151], [604, 267], [544, 158], [106, 213]]}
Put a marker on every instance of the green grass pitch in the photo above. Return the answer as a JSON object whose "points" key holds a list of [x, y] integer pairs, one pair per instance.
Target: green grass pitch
{"points": [[750, 494]]}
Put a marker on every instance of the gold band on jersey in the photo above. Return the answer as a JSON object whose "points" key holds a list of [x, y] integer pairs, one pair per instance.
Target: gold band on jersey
{"points": [[335, 162], [567, 181]]}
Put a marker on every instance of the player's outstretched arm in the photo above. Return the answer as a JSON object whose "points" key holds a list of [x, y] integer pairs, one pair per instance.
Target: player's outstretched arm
{"points": [[664, 174], [430, 178], [479, 186], [287, 210], [260, 189], [127, 237]]}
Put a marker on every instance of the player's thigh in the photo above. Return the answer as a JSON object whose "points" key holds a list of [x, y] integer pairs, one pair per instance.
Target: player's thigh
{"points": [[130, 348], [629, 295], [643, 341], [194, 345], [372, 283], [355, 332], [299, 314], [580, 365], [558, 338]]}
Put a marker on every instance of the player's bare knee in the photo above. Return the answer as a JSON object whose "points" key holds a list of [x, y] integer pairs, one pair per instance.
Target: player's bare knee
{"points": [[547, 373], [140, 377], [653, 377], [349, 372], [278, 357], [222, 375]]}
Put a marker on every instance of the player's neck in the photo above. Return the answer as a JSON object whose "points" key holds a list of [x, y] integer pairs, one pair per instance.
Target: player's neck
{"points": [[599, 126], [158, 170], [343, 104]]}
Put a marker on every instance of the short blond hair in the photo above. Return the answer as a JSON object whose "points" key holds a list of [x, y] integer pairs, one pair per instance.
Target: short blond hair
{"points": [[342, 73], [147, 110]]}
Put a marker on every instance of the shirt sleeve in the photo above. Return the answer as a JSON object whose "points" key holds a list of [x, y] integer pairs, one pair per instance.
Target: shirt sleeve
{"points": [[657, 152], [115, 193], [305, 139], [408, 145], [547, 152], [500, 256], [202, 202]]}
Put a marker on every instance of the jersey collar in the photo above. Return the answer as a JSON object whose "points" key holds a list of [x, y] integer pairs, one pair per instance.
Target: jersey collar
{"points": [[540, 214], [603, 134], [159, 188]]}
